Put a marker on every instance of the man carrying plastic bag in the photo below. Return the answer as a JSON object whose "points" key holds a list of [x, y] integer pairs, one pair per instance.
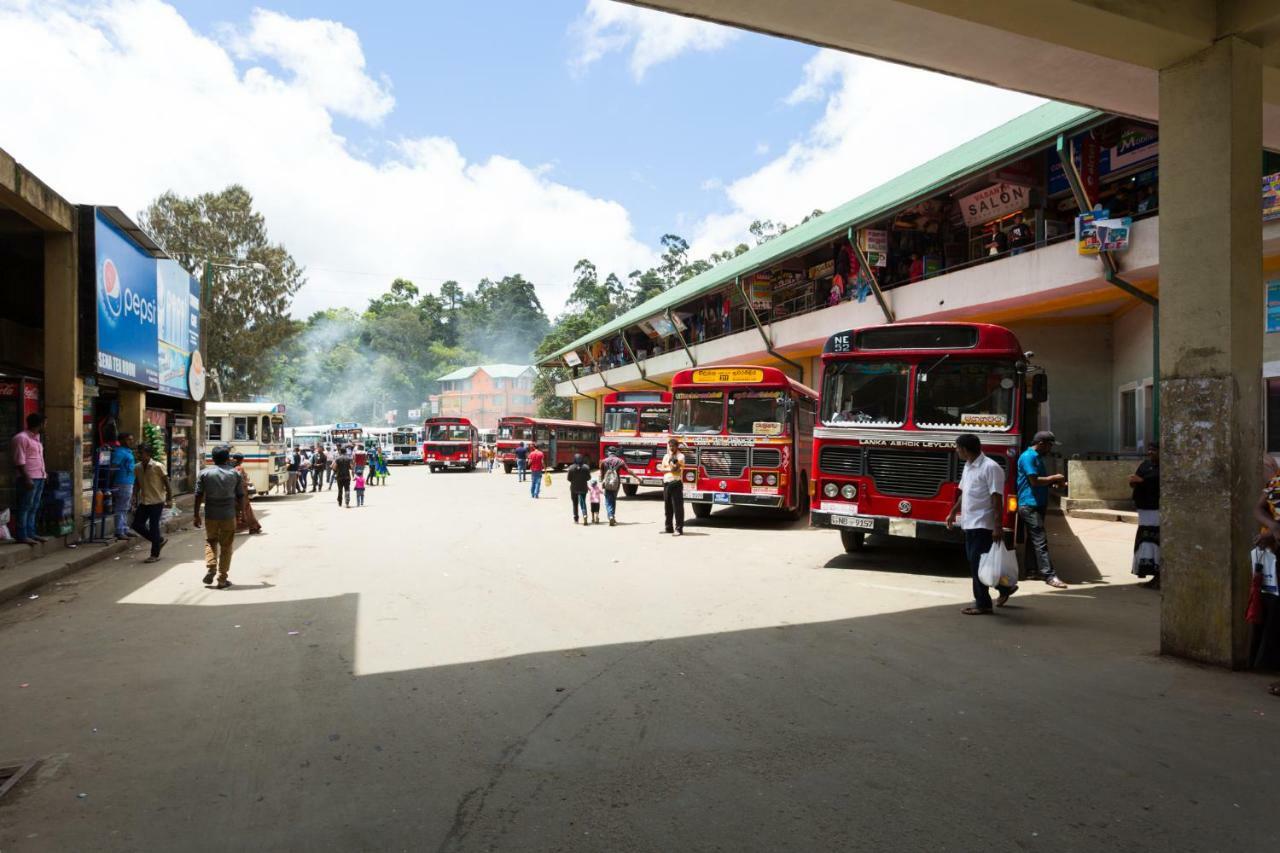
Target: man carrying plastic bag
{"points": [[980, 504]]}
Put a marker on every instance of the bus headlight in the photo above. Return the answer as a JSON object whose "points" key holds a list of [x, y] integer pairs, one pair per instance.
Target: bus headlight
{"points": [[772, 479], [831, 490], [849, 492], [691, 476], [757, 479]]}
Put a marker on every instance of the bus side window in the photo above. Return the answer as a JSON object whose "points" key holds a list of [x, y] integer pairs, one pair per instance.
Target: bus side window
{"points": [[266, 429], [241, 432], [213, 429]]}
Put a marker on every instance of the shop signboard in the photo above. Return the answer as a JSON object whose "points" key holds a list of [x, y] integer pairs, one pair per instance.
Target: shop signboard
{"points": [[760, 289], [178, 312], [415, 414], [874, 243], [572, 358], [1136, 145], [1087, 242], [126, 298], [1273, 305], [994, 202], [826, 269], [1113, 234]]}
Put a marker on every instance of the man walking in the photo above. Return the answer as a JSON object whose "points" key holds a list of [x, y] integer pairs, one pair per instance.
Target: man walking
{"points": [[28, 466], [319, 468], [535, 469], [522, 454], [123, 463], [672, 468], [294, 464], [979, 503], [611, 468], [220, 491], [342, 467], [1033, 502], [579, 476], [150, 496]]}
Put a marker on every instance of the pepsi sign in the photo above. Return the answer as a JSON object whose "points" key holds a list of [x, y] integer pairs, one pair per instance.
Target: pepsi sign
{"points": [[126, 288]]}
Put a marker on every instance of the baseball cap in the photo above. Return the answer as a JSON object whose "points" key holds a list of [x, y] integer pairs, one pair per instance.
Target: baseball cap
{"points": [[1044, 435]]}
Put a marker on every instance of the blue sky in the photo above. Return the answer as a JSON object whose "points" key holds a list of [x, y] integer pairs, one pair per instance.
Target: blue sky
{"points": [[445, 140]]}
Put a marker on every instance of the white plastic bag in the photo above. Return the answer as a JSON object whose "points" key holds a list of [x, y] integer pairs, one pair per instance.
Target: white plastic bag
{"points": [[5, 536], [998, 567]]}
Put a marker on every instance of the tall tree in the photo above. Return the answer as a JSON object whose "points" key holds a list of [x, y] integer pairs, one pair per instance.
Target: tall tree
{"points": [[247, 315]]}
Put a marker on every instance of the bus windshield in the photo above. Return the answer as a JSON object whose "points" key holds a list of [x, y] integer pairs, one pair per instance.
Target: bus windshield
{"points": [[698, 412], [620, 419], [405, 436], [969, 394], [655, 420], [865, 393], [519, 432], [757, 412], [449, 432], [277, 431]]}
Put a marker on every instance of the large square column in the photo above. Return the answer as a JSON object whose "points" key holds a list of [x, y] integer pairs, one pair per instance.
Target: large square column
{"points": [[62, 385], [1211, 318]]}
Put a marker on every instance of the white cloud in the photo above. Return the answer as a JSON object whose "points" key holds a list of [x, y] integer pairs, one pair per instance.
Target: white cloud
{"points": [[120, 100], [652, 37], [880, 120]]}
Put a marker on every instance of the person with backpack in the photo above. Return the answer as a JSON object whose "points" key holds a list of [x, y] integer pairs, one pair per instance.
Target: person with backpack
{"points": [[611, 468], [579, 476]]}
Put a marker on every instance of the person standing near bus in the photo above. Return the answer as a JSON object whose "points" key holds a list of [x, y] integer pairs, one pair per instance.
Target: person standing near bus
{"points": [[672, 468], [535, 468], [319, 467], [979, 504], [522, 454], [221, 494], [1033, 502], [611, 468], [291, 469], [579, 476], [342, 467]]}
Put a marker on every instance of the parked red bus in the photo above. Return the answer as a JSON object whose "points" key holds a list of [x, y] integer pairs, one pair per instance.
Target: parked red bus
{"points": [[559, 440], [894, 398], [749, 434], [637, 423], [450, 443]]}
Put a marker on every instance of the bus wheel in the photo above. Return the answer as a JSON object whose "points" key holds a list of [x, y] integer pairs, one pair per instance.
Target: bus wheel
{"points": [[802, 501], [630, 489], [702, 510], [506, 467], [852, 540]]}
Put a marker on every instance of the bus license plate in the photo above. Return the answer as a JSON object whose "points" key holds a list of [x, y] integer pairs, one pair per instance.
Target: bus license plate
{"points": [[853, 521], [720, 498]]}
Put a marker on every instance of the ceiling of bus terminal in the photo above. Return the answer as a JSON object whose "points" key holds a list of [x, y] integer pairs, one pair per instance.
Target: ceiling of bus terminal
{"points": [[1100, 53]]}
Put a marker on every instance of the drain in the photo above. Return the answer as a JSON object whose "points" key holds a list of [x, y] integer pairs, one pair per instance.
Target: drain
{"points": [[12, 772]]}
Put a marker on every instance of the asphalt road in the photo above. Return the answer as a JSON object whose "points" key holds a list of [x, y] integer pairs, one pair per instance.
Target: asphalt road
{"points": [[456, 667]]}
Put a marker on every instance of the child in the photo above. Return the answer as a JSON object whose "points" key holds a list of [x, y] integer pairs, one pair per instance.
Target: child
{"points": [[595, 494], [359, 489]]}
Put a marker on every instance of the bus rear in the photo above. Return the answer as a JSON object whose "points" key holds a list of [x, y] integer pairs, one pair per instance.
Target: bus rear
{"points": [[637, 423], [512, 432], [748, 434], [450, 443], [894, 398]]}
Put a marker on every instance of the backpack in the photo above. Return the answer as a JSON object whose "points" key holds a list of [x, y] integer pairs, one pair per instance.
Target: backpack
{"points": [[611, 482]]}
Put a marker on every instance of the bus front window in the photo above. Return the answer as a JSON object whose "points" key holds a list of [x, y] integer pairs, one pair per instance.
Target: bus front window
{"points": [[757, 413], [865, 393], [277, 431], [655, 420], [969, 394], [698, 412], [620, 419], [452, 432]]}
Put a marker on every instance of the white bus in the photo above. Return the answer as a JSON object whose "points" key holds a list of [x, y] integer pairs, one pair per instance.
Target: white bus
{"points": [[406, 446], [257, 431]]}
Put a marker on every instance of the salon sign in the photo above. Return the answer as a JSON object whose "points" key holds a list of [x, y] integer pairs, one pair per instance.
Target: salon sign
{"points": [[994, 202]]}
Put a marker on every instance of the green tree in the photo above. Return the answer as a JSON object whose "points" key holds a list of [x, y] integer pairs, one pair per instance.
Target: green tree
{"points": [[247, 316]]}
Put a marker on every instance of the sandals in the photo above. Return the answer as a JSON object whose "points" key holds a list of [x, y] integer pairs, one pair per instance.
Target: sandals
{"points": [[976, 611]]}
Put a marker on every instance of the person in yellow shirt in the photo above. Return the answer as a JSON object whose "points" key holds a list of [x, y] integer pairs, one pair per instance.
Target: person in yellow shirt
{"points": [[150, 496]]}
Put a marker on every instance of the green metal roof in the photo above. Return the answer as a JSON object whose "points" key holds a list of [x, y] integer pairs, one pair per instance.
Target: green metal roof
{"points": [[1028, 131]]}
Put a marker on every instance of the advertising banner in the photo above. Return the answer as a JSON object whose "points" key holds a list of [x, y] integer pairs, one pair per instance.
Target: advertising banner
{"points": [[760, 291], [874, 243], [1273, 305], [1113, 234], [993, 203], [1087, 242], [1270, 197], [126, 297], [178, 308]]}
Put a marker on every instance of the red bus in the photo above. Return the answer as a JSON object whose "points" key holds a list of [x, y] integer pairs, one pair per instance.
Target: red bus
{"points": [[894, 398], [559, 440], [749, 433], [636, 423], [450, 443]]}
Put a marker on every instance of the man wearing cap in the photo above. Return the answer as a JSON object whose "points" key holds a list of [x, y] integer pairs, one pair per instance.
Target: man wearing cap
{"points": [[1033, 501]]}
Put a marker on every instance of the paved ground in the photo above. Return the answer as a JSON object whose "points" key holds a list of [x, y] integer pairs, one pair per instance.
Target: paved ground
{"points": [[455, 667]]}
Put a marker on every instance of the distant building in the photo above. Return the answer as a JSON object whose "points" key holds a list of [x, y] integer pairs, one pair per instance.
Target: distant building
{"points": [[485, 393]]}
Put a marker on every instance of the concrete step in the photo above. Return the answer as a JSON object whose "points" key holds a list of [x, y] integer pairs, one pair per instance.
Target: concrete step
{"points": [[1096, 503], [1127, 516]]}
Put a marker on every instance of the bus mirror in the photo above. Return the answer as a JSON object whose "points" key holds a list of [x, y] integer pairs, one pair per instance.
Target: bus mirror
{"points": [[1040, 387]]}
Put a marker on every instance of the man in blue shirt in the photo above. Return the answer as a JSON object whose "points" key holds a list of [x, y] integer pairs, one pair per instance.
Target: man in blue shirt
{"points": [[1033, 501], [522, 457], [122, 478]]}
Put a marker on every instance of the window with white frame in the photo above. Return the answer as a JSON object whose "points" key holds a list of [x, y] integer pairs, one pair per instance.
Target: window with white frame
{"points": [[1136, 415]]}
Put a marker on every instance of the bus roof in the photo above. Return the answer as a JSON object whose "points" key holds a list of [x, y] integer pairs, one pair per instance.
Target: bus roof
{"points": [[245, 408], [442, 420], [661, 397], [752, 375], [522, 419], [901, 338]]}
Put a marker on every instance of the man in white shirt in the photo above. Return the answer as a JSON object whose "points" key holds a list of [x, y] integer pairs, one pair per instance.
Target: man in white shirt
{"points": [[980, 504]]}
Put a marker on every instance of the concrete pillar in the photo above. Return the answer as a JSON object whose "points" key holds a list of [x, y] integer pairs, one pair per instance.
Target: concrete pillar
{"points": [[1211, 319], [133, 409], [63, 390]]}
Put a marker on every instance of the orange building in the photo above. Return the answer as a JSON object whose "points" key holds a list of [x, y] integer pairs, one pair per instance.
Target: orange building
{"points": [[485, 393]]}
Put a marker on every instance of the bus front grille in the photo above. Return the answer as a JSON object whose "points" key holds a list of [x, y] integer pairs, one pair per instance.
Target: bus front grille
{"points": [[835, 459], [907, 473], [637, 457], [723, 461], [765, 457]]}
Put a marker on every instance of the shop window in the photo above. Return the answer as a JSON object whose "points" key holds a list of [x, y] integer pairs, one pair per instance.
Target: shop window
{"points": [[213, 429], [1129, 419]]}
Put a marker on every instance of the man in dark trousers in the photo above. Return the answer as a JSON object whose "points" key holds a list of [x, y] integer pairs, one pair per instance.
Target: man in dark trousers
{"points": [[150, 496], [1033, 502], [319, 468], [979, 505], [342, 467], [522, 456], [672, 468], [579, 476]]}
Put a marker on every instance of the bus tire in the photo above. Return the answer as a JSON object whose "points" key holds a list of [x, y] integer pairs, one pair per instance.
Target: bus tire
{"points": [[630, 489], [506, 467], [802, 500], [852, 540], [702, 510]]}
